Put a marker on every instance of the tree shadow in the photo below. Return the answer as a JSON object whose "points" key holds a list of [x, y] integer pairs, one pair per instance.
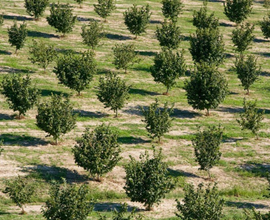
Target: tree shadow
{"points": [[141, 68], [179, 173], [4, 69], [21, 140], [264, 54], [5, 117], [146, 53], [103, 71], [4, 213], [142, 92], [186, 38], [17, 18], [227, 139], [259, 40], [108, 207], [4, 52], [116, 36], [228, 55], [132, 140], [88, 114], [49, 92], [244, 205], [230, 109], [41, 34], [133, 110], [257, 169], [223, 24], [67, 51], [178, 113], [264, 73], [155, 22]]}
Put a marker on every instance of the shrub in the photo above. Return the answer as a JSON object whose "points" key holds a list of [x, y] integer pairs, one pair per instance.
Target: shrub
{"points": [[206, 147], [92, 34], [67, 202], [158, 121], [200, 203], [104, 8], [17, 35], [20, 190], [243, 36], [61, 18], [35, 7], [76, 71], [168, 67], [20, 94], [237, 10], [247, 70], [147, 180], [136, 19], [251, 118], [206, 88], [169, 35], [42, 53], [265, 26], [56, 116], [80, 2], [113, 92], [171, 9], [98, 151]]}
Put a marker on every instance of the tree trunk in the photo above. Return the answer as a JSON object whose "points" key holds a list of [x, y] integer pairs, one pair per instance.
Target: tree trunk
{"points": [[247, 92], [116, 111], [149, 208], [207, 112], [23, 211], [209, 174]]}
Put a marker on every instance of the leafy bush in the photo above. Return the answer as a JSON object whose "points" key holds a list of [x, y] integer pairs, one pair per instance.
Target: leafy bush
{"points": [[265, 26], [56, 116], [157, 120], [76, 71], [61, 18], [17, 35], [98, 151], [35, 7], [20, 94], [147, 180], [206, 146], [171, 9], [91, 34], [104, 8], [113, 92], [136, 19], [168, 67], [243, 36], [200, 203], [169, 35]]}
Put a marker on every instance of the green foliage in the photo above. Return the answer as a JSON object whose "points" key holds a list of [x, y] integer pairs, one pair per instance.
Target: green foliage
{"points": [[56, 116], [202, 20], [42, 53], [61, 18], [113, 92], [21, 96], [200, 203], [169, 35], [67, 202], [147, 180], [158, 121], [137, 18], [91, 34], [98, 151], [1, 19], [76, 71], [243, 36], [20, 190], [237, 10], [265, 26], [104, 8], [168, 67], [268, 180], [79, 2], [124, 56], [251, 118], [171, 9], [253, 215], [206, 147], [207, 45], [266, 4], [17, 35], [247, 70], [206, 88], [35, 7]]}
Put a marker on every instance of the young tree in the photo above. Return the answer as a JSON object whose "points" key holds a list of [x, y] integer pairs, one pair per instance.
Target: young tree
{"points": [[247, 70], [35, 7], [265, 26], [79, 2], [251, 118], [91, 34], [207, 46], [61, 18], [67, 202], [56, 116], [169, 35], [200, 203], [1, 149], [243, 36], [104, 8], [136, 19], [124, 56], [20, 94], [158, 121], [98, 151], [113, 92], [171, 9], [206, 88], [76, 71], [237, 10], [1, 19], [17, 35], [206, 147], [42, 54], [20, 190], [147, 180], [168, 67]]}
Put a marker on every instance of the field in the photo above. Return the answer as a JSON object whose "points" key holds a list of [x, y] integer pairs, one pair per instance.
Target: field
{"points": [[241, 172]]}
